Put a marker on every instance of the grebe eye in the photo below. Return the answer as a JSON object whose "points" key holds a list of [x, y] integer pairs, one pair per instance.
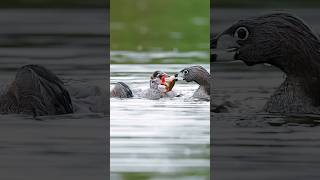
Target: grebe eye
{"points": [[185, 72], [241, 33]]}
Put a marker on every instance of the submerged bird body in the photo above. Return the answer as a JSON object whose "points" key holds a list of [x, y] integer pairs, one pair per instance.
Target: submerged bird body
{"points": [[37, 91], [291, 97], [286, 42], [155, 91], [121, 90], [201, 76]]}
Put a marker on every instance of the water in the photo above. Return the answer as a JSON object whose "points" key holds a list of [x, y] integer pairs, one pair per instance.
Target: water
{"points": [[158, 57], [249, 144], [158, 139], [71, 43]]}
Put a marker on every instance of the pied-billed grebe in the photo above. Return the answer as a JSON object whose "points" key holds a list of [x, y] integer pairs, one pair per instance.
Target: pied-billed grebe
{"points": [[159, 86], [36, 91], [202, 77], [156, 89], [286, 42]]}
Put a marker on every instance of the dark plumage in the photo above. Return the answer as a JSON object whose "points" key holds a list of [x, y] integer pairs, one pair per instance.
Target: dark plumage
{"points": [[157, 74], [36, 91], [121, 90], [284, 41], [201, 76]]}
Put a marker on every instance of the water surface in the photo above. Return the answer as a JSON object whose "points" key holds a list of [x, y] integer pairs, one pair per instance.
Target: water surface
{"points": [[158, 139]]}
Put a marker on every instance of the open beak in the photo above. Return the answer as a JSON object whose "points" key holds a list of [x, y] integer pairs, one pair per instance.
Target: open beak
{"points": [[163, 78], [176, 75], [224, 48], [179, 76]]}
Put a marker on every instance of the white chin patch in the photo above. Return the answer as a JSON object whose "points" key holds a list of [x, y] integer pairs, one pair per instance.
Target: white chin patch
{"points": [[180, 76]]}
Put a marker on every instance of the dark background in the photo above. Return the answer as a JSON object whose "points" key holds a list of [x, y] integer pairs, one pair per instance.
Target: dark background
{"points": [[246, 142], [54, 3], [264, 4], [50, 32]]}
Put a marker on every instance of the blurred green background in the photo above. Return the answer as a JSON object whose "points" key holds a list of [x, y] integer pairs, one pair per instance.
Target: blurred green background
{"points": [[160, 25], [265, 3]]}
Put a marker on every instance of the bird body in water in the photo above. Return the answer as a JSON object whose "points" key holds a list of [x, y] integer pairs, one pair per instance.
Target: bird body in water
{"points": [[156, 89], [36, 91], [284, 41], [201, 76], [121, 90]]}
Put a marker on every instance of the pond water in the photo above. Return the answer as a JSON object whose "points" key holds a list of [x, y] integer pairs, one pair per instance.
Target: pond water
{"points": [[248, 144], [70, 43], [158, 139]]}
